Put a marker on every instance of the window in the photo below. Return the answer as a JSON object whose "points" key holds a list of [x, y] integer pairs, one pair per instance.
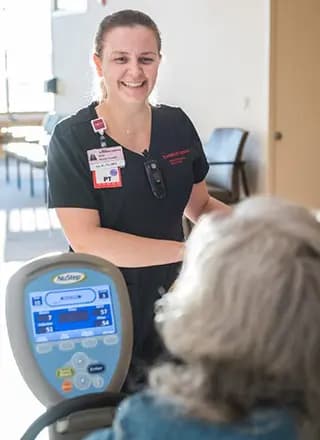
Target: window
{"points": [[25, 55], [70, 6]]}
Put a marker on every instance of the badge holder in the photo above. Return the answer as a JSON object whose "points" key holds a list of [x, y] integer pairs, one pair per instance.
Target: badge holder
{"points": [[105, 162], [155, 177]]}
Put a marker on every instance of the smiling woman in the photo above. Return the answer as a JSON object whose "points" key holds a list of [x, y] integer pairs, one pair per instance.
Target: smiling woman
{"points": [[123, 172], [128, 65]]}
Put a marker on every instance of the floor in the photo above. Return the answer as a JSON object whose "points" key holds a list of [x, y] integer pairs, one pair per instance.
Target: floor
{"points": [[27, 230]]}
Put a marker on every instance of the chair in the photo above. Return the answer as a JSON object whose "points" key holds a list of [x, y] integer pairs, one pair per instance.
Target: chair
{"points": [[226, 174], [227, 169], [32, 152]]}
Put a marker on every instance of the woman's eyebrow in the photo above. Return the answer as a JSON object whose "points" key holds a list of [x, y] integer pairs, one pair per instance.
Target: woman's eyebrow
{"points": [[119, 52], [122, 52], [148, 53]]}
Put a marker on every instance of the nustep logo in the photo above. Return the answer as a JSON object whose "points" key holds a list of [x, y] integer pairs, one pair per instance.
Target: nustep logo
{"points": [[69, 278]]}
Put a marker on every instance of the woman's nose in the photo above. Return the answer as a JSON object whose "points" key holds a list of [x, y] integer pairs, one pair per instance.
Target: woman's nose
{"points": [[135, 67]]}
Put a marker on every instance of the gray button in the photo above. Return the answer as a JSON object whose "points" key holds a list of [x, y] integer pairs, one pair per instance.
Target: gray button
{"points": [[111, 339], [98, 381], [80, 360], [89, 343], [43, 348], [66, 345], [82, 381]]}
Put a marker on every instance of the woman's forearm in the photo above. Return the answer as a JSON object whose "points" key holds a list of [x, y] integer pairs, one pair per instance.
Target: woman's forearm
{"points": [[127, 250]]}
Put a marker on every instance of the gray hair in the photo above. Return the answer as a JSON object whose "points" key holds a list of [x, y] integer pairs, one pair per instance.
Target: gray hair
{"points": [[244, 314]]}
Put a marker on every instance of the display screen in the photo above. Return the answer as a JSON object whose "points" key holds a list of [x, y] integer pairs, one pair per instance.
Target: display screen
{"points": [[76, 313]]}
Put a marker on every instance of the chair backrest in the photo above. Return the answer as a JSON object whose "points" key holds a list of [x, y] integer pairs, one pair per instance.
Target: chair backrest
{"points": [[50, 121], [225, 145], [48, 124]]}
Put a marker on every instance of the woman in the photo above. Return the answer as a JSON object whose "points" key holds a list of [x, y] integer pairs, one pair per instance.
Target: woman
{"points": [[122, 173], [243, 318]]}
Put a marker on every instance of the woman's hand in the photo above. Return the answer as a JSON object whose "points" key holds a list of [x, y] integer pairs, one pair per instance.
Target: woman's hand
{"points": [[200, 202]]}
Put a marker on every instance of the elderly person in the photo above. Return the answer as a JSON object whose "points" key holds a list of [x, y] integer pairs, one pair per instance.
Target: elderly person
{"points": [[243, 321]]}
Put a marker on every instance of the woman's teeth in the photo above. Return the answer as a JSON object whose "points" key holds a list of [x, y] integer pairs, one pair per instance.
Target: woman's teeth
{"points": [[133, 84]]}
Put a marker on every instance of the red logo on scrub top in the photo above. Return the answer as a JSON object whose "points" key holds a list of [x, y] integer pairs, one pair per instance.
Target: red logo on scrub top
{"points": [[176, 157]]}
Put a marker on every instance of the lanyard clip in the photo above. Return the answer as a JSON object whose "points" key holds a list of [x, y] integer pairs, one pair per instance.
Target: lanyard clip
{"points": [[99, 126]]}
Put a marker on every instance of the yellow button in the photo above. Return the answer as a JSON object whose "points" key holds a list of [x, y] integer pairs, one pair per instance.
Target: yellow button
{"points": [[65, 372]]}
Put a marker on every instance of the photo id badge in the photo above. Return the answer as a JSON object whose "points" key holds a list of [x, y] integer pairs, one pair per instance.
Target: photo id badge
{"points": [[106, 157], [107, 177]]}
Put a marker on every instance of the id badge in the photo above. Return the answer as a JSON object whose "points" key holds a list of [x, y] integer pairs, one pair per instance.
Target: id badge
{"points": [[105, 158], [107, 177]]}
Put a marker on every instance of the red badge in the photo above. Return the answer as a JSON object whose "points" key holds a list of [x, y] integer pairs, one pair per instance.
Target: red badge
{"points": [[98, 125], [107, 177]]}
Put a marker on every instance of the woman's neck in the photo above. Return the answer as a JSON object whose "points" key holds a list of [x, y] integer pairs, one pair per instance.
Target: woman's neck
{"points": [[129, 118], [130, 125]]}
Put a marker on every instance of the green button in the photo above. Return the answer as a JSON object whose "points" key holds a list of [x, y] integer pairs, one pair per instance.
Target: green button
{"points": [[65, 372]]}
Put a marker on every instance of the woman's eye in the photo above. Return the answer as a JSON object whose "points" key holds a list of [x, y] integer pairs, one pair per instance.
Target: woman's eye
{"points": [[120, 60], [146, 60]]}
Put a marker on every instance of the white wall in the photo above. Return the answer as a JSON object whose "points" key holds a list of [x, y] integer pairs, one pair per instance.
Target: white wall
{"points": [[215, 64]]}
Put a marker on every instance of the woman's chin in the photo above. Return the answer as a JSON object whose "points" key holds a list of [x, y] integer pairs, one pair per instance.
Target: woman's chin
{"points": [[134, 94]]}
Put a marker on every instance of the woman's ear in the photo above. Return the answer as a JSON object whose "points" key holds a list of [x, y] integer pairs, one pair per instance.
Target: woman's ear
{"points": [[98, 63]]}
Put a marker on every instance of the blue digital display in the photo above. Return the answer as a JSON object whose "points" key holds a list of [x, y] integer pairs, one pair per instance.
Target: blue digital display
{"points": [[74, 313]]}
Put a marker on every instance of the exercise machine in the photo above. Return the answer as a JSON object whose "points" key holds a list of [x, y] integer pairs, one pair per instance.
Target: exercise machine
{"points": [[70, 329]]}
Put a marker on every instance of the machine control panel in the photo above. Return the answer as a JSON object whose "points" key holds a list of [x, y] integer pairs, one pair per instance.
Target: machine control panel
{"points": [[74, 329]]}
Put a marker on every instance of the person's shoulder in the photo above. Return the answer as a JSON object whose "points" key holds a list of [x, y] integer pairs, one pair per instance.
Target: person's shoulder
{"points": [[138, 401], [169, 110], [140, 406], [151, 416], [82, 116], [271, 423], [170, 114]]}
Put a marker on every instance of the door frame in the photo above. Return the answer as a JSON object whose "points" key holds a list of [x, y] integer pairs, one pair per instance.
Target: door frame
{"points": [[271, 156]]}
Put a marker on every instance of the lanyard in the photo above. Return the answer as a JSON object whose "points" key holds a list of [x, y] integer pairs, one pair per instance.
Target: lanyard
{"points": [[99, 126]]}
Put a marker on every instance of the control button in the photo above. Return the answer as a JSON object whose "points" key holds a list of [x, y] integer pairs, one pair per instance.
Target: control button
{"points": [[37, 300], [89, 343], [86, 333], [42, 339], [98, 381], [80, 360], [66, 345], [103, 293], [82, 381], [43, 348], [96, 368], [111, 339], [66, 386], [65, 372]]}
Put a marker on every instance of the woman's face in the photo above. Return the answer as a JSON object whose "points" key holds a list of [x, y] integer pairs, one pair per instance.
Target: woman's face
{"points": [[129, 63]]}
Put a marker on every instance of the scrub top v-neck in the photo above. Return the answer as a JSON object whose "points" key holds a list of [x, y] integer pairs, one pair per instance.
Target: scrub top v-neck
{"points": [[111, 141]]}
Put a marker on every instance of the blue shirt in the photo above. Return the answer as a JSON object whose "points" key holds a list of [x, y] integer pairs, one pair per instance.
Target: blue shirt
{"points": [[146, 417]]}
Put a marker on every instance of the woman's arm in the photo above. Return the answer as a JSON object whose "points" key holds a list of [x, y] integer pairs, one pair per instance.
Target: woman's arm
{"points": [[84, 233], [201, 203]]}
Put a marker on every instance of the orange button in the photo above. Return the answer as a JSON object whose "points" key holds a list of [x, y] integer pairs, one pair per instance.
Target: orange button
{"points": [[67, 386]]}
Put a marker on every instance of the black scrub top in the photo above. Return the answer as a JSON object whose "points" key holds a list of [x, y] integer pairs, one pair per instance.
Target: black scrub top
{"points": [[132, 208]]}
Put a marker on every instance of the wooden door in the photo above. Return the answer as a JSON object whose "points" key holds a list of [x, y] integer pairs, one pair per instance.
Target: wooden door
{"points": [[294, 147]]}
